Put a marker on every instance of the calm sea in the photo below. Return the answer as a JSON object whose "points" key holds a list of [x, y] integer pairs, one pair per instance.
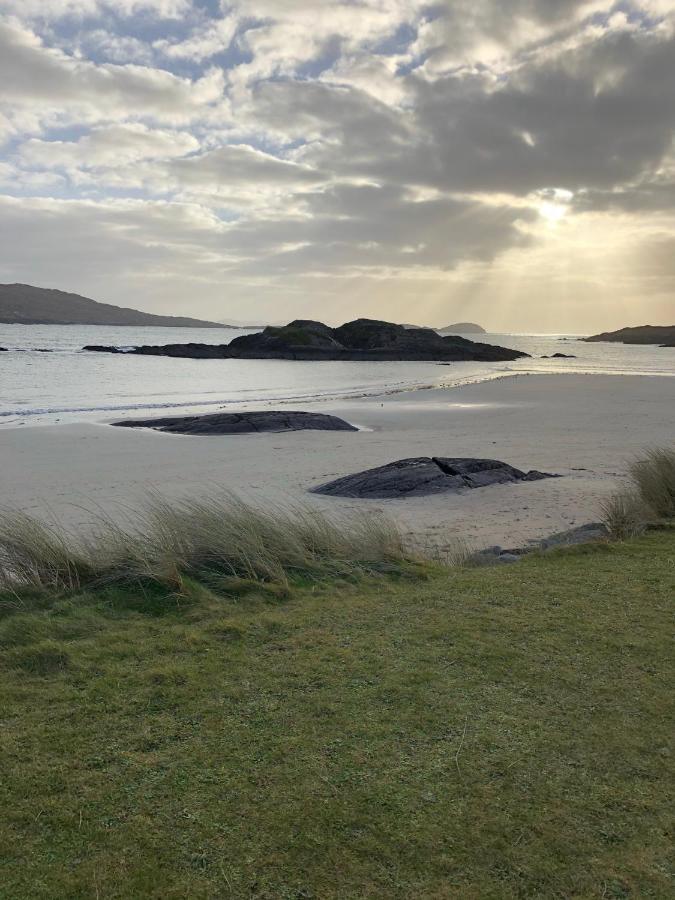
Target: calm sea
{"points": [[68, 384]]}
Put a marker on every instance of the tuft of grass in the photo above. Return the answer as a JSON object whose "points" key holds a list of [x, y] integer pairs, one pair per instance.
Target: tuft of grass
{"points": [[625, 514], [649, 496], [36, 555], [653, 476], [218, 541]]}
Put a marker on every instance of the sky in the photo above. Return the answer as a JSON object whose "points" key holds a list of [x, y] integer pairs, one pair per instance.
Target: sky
{"points": [[507, 162]]}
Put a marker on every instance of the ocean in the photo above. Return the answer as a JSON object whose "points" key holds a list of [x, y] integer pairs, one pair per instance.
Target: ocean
{"points": [[69, 385]]}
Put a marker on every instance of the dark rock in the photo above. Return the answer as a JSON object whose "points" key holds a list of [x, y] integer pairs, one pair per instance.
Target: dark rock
{"points": [[363, 339], [241, 423], [559, 356], [4, 350], [28, 350], [186, 351], [425, 475]]}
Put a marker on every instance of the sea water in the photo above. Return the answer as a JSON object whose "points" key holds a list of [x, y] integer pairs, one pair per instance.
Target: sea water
{"points": [[68, 384]]}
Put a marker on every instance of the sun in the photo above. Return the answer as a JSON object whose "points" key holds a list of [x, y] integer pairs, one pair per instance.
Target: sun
{"points": [[552, 212], [553, 204]]}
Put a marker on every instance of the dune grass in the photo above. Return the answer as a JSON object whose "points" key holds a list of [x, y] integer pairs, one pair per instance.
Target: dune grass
{"points": [[483, 733], [647, 498], [220, 541], [654, 478], [625, 514]]}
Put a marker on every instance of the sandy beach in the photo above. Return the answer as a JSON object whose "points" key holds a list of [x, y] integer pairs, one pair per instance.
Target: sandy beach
{"points": [[585, 428]]}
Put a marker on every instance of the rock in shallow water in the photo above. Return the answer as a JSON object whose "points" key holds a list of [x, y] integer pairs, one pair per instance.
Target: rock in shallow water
{"points": [[242, 423], [425, 475]]}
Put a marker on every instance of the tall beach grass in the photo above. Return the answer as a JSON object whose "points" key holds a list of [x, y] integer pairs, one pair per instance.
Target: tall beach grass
{"points": [[647, 498], [653, 476], [219, 540]]}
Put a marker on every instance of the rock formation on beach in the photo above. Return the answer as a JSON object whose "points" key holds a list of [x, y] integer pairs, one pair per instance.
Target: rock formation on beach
{"points": [[241, 423], [462, 328], [642, 334], [24, 304], [424, 475], [363, 339]]}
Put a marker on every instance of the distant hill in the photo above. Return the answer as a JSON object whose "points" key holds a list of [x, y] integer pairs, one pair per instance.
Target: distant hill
{"points": [[642, 334], [23, 304], [462, 328]]}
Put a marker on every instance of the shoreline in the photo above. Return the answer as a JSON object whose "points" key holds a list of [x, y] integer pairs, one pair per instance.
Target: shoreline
{"points": [[198, 408], [585, 428]]}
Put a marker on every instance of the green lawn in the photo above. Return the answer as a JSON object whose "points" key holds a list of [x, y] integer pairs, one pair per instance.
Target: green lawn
{"points": [[487, 733]]}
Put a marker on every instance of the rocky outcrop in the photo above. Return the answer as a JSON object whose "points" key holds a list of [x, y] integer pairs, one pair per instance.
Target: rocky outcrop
{"points": [[363, 339], [241, 423], [181, 351], [559, 356], [425, 475], [643, 334]]}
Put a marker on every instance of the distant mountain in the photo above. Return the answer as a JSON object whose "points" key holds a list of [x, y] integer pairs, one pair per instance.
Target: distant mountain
{"points": [[23, 304], [462, 328], [642, 334]]}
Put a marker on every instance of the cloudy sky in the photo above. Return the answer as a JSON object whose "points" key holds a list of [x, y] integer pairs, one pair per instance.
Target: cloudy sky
{"points": [[511, 162]]}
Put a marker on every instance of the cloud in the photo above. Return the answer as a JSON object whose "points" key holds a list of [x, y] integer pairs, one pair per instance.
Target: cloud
{"points": [[240, 163], [292, 34], [289, 148], [204, 42], [57, 9], [46, 80], [108, 147]]}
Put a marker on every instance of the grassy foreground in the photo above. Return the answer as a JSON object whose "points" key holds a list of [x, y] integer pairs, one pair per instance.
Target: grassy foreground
{"points": [[488, 733]]}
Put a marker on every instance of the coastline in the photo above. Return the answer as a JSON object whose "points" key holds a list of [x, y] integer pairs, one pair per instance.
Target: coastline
{"points": [[306, 400], [584, 427]]}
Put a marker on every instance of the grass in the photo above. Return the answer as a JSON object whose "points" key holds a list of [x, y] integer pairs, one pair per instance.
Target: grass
{"points": [[488, 733], [648, 498], [219, 540], [625, 514], [654, 478]]}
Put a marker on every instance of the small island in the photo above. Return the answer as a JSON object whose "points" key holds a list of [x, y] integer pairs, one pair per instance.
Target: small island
{"points": [[363, 339], [642, 334]]}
